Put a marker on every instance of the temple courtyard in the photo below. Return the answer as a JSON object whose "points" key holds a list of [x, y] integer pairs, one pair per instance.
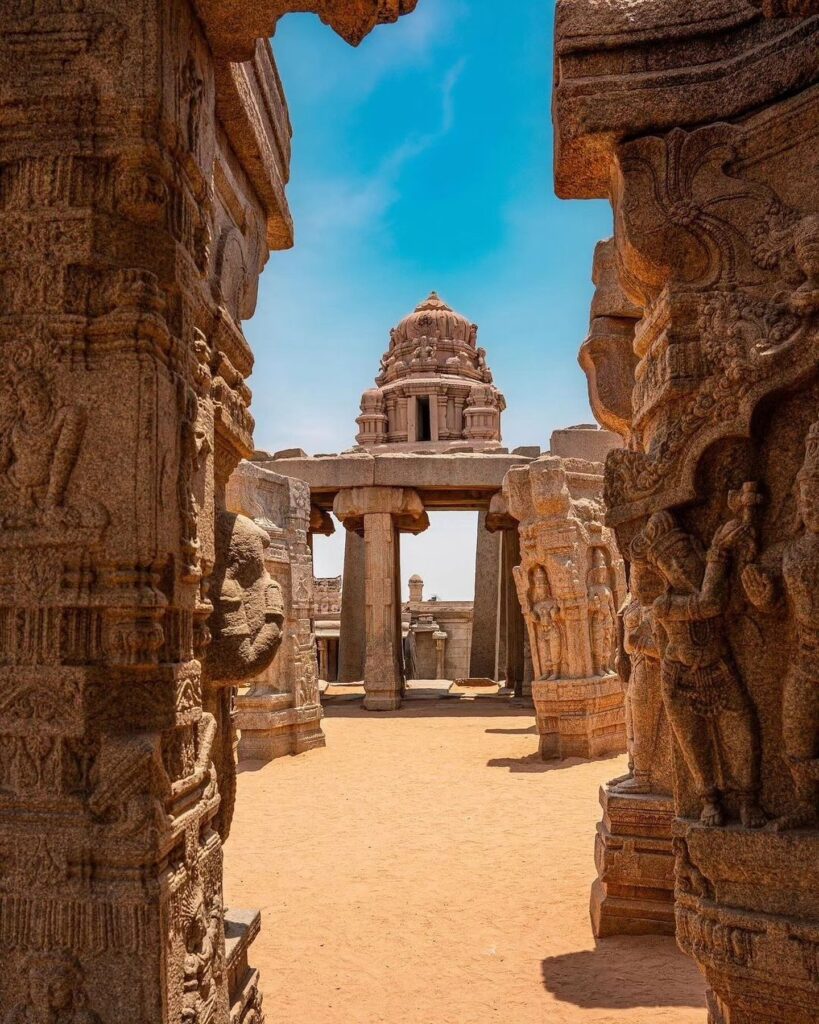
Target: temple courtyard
{"points": [[427, 867]]}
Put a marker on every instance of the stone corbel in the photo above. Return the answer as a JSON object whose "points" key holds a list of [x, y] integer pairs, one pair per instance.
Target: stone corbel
{"points": [[607, 355], [321, 522], [499, 518], [233, 26]]}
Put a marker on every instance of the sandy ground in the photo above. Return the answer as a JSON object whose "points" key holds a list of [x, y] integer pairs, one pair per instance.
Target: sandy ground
{"points": [[426, 868]]}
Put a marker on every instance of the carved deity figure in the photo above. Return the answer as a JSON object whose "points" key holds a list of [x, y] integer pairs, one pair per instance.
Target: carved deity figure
{"points": [[202, 968], [246, 630], [790, 577], [38, 452], [56, 994], [706, 702], [546, 612], [602, 615], [643, 698]]}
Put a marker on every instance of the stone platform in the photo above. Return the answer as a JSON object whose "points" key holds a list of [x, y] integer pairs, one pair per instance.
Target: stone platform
{"points": [[272, 726], [580, 717], [241, 928], [633, 851]]}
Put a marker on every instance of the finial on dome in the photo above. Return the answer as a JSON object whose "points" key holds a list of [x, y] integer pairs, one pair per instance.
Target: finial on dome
{"points": [[432, 301]]}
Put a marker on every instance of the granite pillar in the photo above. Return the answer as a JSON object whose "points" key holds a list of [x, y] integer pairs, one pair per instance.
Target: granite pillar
{"points": [[379, 513], [484, 650], [351, 642]]}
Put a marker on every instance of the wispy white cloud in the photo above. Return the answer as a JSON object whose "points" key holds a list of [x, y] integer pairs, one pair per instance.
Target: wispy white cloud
{"points": [[358, 202]]}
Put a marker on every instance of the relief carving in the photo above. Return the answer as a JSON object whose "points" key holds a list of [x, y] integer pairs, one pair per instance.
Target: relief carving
{"points": [[640, 672], [707, 705], [785, 580], [246, 630], [202, 967], [39, 444], [57, 994]]}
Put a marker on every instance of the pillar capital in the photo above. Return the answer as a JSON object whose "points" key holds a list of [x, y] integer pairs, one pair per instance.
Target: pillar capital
{"points": [[402, 503]]}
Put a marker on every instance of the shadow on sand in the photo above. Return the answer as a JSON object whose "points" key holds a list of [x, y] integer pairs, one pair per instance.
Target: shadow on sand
{"points": [[413, 706], [533, 762], [625, 971]]}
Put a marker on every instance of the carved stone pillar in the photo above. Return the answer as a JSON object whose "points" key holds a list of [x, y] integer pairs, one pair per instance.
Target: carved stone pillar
{"points": [[279, 712], [439, 636], [379, 514], [142, 182], [498, 519], [483, 654], [351, 639], [714, 185], [569, 583]]}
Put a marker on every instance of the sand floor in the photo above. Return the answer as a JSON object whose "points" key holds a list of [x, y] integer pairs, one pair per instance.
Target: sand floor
{"points": [[426, 868]]}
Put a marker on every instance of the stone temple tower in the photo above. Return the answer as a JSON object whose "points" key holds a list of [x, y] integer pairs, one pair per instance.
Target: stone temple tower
{"points": [[434, 389]]}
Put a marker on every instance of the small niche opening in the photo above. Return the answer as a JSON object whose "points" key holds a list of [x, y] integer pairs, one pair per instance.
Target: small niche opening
{"points": [[424, 426]]}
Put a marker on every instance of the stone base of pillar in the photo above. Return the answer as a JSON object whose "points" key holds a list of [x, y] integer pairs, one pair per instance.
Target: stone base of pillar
{"points": [[241, 928], [580, 717], [633, 851], [271, 727], [382, 701], [747, 909]]}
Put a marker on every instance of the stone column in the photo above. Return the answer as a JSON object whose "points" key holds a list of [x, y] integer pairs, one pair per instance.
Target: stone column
{"points": [[134, 225], [716, 210], [499, 520], [411, 405], [483, 652], [439, 636], [322, 657], [379, 514], [569, 584], [515, 626], [351, 640]]}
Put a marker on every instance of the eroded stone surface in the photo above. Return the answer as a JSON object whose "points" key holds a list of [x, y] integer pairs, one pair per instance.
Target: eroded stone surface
{"points": [[714, 189], [142, 177], [278, 711], [570, 583]]}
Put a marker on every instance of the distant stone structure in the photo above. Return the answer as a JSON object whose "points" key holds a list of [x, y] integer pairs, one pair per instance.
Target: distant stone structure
{"points": [[441, 634], [434, 387], [278, 712], [699, 123], [570, 582], [436, 634]]}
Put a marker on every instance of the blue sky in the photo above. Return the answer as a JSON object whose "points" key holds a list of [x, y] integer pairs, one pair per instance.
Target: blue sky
{"points": [[422, 159]]}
